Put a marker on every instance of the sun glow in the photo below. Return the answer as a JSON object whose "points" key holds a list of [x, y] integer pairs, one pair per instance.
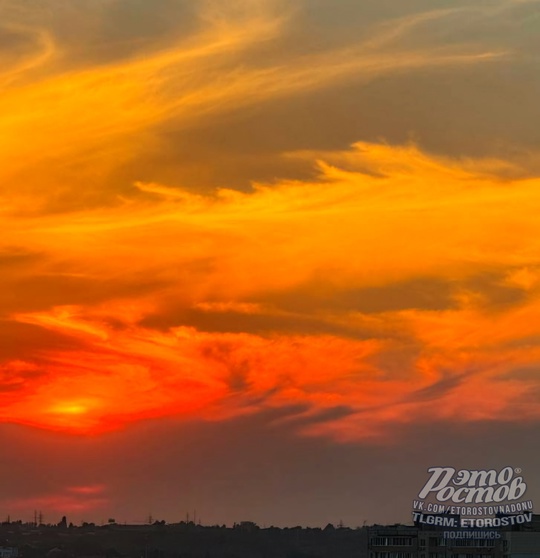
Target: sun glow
{"points": [[69, 409], [70, 415]]}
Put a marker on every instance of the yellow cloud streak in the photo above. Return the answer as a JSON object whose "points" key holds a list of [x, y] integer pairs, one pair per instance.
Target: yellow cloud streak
{"points": [[480, 222], [81, 124]]}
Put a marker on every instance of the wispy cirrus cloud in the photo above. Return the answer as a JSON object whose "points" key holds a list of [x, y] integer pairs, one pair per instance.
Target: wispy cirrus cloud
{"points": [[107, 114]]}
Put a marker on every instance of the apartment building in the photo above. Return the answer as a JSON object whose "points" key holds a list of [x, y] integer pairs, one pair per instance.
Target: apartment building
{"points": [[401, 541]]}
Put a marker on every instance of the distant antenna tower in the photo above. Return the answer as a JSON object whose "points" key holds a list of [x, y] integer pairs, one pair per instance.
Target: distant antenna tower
{"points": [[35, 518], [150, 519], [40, 518]]}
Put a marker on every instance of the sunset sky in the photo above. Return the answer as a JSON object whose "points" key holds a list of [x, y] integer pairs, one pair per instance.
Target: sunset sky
{"points": [[265, 259]]}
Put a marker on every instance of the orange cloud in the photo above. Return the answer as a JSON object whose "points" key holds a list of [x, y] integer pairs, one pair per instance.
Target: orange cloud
{"points": [[105, 115], [395, 288], [392, 287]]}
